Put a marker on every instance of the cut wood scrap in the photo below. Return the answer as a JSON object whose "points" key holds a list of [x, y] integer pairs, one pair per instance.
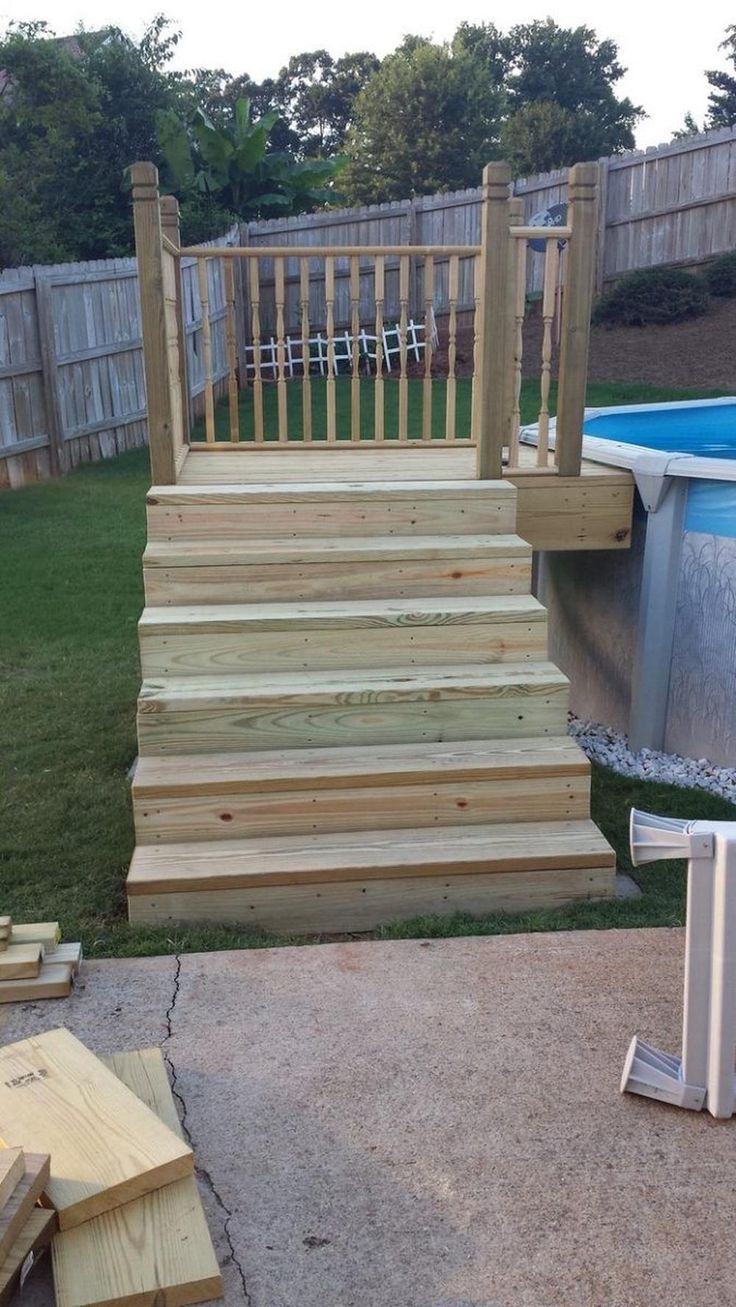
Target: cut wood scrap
{"points": [[156, 1250], [12, 1170], [35, 1235], [5, 923], [68, 954], [22, 1201], [47, 933], [54, 980], [106, 1146], [19, 961]]}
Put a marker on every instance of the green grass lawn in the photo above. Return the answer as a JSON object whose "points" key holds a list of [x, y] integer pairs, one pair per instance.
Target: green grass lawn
{"points": [[70, 597]]}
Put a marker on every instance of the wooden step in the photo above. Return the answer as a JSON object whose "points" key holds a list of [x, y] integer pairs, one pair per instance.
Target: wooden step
{"points": [[303, 791], [357, 881], [365, 567], [390, 508], [264, 711], [350, 634]]}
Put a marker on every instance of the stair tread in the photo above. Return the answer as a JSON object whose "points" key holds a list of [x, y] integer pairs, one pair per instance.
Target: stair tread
{"points": [[341, 767], [352, 612], [313, 491], [299, 859], [328, 549], [323, 686]]}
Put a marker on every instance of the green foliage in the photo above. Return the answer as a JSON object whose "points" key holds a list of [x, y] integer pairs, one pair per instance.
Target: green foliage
{"points": [[315, 95], [722, 99], [720, 275], [232, 163], [426, 121], [652, 296]]}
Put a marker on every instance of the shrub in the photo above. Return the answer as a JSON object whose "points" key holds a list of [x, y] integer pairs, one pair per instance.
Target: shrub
{"points": [[654, 295], [720, 275]]}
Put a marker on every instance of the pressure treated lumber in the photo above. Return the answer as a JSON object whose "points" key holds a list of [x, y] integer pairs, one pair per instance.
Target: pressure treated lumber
{"points": [[47, 933], [293, 791], [70, 955], [216, 571], [106, 1147], [212, 715], [54, 980], [23, 1199], [157, 1250], [20, 961], [36, 1234], [395, 508], [358, 633], [12, 1170]]}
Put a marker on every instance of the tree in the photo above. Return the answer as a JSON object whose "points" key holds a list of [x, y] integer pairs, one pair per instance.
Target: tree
{"points": [[426, 121], [316, 93], [722, 99]]}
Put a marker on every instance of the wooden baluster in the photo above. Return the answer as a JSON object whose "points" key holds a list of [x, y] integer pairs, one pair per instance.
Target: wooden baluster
{"points": [[306, 360], [519, 309], [380, 291], [474, 385], [279, 292], [330, 332], [232, 349], [355, 348], [403, 330], [549, 295], [255, 311], [209, 394], [452, 294], [428, 326]]}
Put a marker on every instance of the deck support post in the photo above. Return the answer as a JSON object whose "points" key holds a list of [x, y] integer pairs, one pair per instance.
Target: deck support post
{"points": [[576, 310], [149, 253], [170, 227], [665, 503], [491, 381]]}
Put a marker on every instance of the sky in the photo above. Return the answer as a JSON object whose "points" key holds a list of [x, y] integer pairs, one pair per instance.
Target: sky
{"points": [[665, 58]]}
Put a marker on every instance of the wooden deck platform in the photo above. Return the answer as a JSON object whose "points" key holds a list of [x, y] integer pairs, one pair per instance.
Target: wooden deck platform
{"points": [[592, 511]]}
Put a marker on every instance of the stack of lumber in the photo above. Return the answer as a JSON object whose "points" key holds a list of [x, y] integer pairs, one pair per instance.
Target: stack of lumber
{"points": [[24, 1227], [120, 1179], [34, 963]]}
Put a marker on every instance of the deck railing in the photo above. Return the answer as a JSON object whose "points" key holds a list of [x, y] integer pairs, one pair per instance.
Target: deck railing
{"points": [[368, 337]]}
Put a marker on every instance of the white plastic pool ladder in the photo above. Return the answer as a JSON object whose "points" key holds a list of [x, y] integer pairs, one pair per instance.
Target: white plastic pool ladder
{"points": [[703, 1077]]}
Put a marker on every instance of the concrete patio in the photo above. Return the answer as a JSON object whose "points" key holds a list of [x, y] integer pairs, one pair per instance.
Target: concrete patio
{"points": [[429, 1123]]}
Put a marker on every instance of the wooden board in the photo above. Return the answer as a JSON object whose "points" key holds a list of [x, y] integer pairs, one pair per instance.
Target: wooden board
{"points": [[23, 1199], [54, 980], [592, 511], [384, 461], [19, 961], [47, 933], [12, 1170], [348, 855], [69, 955], [364, 905], [211, 715], [321, 636], [35, 1235], [106, 1147], [154, 1252]]}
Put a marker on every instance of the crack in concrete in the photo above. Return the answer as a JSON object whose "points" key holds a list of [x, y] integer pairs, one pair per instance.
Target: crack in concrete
{"points": [[201, 1171]]}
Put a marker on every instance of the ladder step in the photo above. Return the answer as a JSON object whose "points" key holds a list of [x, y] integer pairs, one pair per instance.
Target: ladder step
{"points": [[239, 795], [319, 635], [348, 881], [231, 571], [261, 711]]}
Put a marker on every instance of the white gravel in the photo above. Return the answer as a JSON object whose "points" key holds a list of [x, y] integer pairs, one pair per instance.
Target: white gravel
{"points": [[611, 749]]}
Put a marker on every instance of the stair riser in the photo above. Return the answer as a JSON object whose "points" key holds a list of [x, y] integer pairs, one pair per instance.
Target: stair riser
{"points": [[283, 583], [320, 811], [443, 514], [222, 727], [364, 905], [454, 643]]}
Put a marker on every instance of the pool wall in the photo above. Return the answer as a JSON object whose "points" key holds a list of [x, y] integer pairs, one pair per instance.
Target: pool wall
{"points": [[648, 635]]}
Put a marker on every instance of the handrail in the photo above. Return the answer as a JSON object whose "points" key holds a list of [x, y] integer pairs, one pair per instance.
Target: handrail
{"points": [[326, 251], [541, 233]]}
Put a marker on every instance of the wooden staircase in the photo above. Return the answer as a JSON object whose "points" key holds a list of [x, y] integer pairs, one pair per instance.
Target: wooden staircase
{"points": [[347, 715]]}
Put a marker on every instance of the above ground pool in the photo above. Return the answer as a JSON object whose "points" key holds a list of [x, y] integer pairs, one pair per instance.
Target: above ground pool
{"points": [[648, 635]]}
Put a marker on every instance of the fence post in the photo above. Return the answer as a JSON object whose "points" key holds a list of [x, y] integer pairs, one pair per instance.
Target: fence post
{"points": [[576, 310], [169, 207], [49, 373], [147, 223], [491, 397]]}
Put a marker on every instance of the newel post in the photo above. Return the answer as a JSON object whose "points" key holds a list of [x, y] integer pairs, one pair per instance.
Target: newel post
{"points": [[170, 227], [491, 381], [149, 252], [582, 216]]}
